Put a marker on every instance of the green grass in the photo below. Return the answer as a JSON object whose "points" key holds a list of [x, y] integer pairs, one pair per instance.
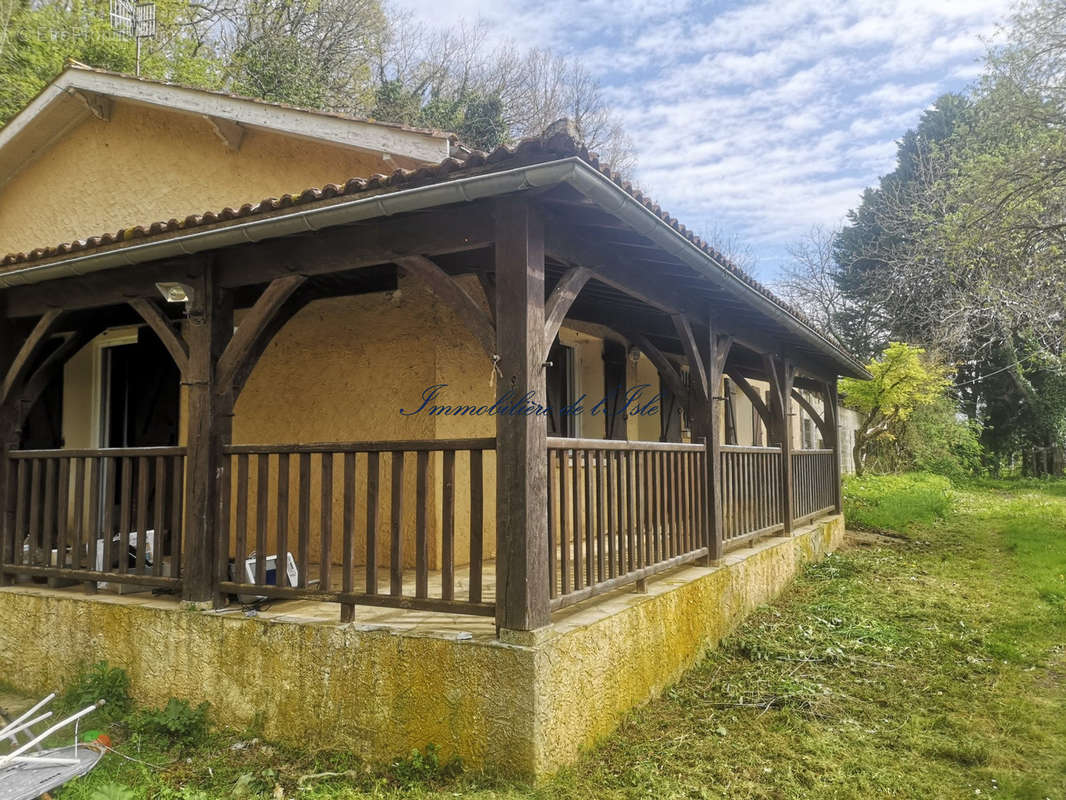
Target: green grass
{"points": [[896, 503], [932, 666]]}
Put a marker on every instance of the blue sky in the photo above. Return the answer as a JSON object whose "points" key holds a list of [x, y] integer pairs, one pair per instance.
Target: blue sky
{"points": [[758, 119]]}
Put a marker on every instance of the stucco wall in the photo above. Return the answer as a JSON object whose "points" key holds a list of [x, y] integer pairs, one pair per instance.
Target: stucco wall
{"points": [[147, 164]]}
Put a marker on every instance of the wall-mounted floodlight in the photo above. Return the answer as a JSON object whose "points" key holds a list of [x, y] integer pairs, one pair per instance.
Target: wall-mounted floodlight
{"points": [[174, 292]]}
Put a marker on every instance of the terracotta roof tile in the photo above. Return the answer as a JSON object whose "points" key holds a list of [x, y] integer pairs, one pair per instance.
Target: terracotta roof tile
{"points": [[538, 149]]}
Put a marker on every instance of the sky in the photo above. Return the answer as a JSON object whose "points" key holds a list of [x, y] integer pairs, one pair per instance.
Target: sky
{"points": [[756, 121]]}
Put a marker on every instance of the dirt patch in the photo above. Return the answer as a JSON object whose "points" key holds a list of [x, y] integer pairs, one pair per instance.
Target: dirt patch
{"points": [[858, 539]]}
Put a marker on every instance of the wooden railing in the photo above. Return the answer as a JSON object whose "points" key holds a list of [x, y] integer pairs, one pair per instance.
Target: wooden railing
{"points": [[813, 483], [752, 504], [104, 515], [356, 519], [619, 512]]}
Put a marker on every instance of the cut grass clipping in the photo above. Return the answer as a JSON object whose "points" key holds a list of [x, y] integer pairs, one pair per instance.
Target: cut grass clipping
{"points": [[927, 667]]}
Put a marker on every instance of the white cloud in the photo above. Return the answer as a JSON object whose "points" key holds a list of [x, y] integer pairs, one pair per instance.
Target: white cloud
{"points": [[768, 117]]}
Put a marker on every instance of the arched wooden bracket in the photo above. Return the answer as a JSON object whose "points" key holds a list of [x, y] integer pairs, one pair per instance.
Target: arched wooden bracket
{"points": [[753, 396], [696, 360], [256, 324], [814, 415], [561, 299], [447, 289], [27, 354], [167, 332], [722, 344], [286, 312], [51, 367], [830, 414], [782, 373], [667, 371]]}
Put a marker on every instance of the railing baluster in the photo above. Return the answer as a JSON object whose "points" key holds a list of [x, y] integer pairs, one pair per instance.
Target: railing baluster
{"points": [[241, 551], [37, 556], [262, 487], [282, 520], [373, 474], [50, 508], [159, 491], [93, 520], [553, 521], [477, 523], [325, 559], [303, 521], [447, 576], [177, 486], [348, 534], [141, 566], [396, 520], [421, 537]]}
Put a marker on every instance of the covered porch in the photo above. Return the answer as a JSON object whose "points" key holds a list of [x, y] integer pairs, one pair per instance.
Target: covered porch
{"points": [[501, 510]]}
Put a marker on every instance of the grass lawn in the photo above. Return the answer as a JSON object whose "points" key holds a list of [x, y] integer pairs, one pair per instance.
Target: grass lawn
{"points": [[927, 664]]}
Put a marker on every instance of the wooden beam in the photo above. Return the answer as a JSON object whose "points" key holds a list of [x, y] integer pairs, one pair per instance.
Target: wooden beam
{"points": [[252, 327], [522, 597], [52, 366], [27, 353], [365, 244], [445, 287], [698, 369], [8, 442], [231, 133], [210, 426], [286, 312], [568, 248], [831, 436], [561, 299], [98, 105], [330, 250], [782, 374], [814, 415], [163, 328], [667, 371]]}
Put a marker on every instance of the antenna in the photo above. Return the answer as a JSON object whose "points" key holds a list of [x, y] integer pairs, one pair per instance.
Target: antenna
{"points": [[135, 21]]}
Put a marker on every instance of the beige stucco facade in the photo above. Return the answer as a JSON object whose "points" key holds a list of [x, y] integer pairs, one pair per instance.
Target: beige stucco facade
{"points": [[147, 164]]}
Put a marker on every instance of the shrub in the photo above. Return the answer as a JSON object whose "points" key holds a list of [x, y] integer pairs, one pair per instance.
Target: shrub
{"points": [[177, 723], [99, 681], [423, 766]]}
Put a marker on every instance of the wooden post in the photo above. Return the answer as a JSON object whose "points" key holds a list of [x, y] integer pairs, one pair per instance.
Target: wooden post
{"points": [[782, 373], [210, 326], [522, 583], [8, 441], [831, 417]]}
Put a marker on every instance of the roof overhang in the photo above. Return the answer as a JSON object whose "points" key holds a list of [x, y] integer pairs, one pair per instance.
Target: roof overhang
{"points": [[300, 219], [79, 93]]}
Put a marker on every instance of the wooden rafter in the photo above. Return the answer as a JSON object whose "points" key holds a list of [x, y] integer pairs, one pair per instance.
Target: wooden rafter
{"points": [[28, 352], [256, 323], [230, 133], [445, 287], [560, 301], [163, 328]]}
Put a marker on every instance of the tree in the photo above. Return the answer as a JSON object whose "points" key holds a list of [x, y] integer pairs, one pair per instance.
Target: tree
{"points": [[811, 284], [312, 53], [37, 39], [903, 380]]}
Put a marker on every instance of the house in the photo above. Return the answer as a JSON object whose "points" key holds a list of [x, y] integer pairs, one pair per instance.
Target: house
{"points": [[497, 445]]}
